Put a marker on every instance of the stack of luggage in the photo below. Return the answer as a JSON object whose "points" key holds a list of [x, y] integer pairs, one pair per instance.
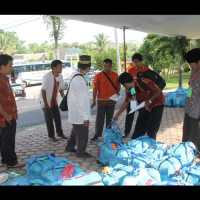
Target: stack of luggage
{"points": [[176, 99], [140, 161]]}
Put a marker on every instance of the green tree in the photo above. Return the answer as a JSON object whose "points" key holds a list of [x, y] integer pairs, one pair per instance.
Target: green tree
{"points": [[100, 57], [132, 47], [5, 47], [165, 51], [33, 48], [101, 42], [57, 26], [11, 44]]}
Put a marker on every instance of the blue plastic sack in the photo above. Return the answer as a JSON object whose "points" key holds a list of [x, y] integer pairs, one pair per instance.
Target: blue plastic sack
{"points": [[17, 181], [143, 159], [116, 174], [185, 151], [142, 143], [90, 179], [167, 166], [160, 149], [179, 101], [181, 91], [105, 150], [191, 175], [112, 132], [123, 156], [46, 169], [146, 176], [168, 99]]}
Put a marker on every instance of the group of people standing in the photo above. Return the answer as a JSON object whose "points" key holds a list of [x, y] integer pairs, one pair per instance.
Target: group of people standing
{"points": [[106, 84]]}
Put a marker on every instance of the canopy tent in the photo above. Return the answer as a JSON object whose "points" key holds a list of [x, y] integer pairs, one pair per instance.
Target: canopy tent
{"points": [[168, 25]]}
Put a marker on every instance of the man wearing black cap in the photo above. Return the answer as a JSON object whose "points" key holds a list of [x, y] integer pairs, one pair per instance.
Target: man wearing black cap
{"points": [[79, 109], [191, 125]]}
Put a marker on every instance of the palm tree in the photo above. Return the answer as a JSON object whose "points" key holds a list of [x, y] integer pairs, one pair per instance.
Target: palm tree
{"points": [[174, 46], [5, 46], [101, 42], [57, 26], [181, 46]]}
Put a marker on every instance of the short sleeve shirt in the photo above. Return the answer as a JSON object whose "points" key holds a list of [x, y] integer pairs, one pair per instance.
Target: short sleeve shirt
{"points": [[134, 70], [103, 85]]}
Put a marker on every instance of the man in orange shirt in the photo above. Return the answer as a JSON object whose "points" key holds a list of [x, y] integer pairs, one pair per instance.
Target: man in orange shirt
{"points": [[8, 115], [103, 89], [137, 67]]}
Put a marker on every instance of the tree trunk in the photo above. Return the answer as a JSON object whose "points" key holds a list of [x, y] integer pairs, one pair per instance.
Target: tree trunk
{"points": [[180, 78], [56, 32], [164, 75], [57, 50], [167, 74]]}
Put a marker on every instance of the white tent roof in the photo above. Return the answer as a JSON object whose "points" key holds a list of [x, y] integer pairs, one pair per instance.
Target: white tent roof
{"points": [[168, 25]]}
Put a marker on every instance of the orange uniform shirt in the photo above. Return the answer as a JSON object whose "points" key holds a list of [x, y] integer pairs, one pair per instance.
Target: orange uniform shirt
{"points": [[134, 70], [7, 100], [104, 87]]}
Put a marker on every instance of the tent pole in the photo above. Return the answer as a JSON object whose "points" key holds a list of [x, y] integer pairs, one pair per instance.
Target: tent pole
{"points": [[124, 28], [117, 53]]}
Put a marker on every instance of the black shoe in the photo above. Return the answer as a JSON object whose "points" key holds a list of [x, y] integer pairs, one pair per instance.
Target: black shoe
{"points": [[70, 150], [85, 155], [94, 138]]}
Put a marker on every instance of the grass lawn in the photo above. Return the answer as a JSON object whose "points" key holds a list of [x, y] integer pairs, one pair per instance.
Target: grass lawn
{"points": [[173, 81]]}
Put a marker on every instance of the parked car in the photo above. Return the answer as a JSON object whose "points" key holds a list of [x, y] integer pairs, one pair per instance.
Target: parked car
{"points": [[18, 90]]}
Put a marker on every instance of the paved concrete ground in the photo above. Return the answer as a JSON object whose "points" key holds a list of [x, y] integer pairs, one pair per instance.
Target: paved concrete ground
{"points": [[33, 141]]}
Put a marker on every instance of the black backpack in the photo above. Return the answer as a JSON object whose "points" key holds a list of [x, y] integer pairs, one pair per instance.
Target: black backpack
{"points": [[152, 75]]}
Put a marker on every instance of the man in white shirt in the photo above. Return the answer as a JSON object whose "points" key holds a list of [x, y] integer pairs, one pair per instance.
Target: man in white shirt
{"points": [[51, 84], [79, 109]]}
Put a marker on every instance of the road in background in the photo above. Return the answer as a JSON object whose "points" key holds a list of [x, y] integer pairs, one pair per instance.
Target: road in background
{"points": [[30, 113]]}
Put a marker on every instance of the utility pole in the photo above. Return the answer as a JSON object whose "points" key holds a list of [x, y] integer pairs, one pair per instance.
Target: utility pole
{"points": [[117, 53], [124, 28]]}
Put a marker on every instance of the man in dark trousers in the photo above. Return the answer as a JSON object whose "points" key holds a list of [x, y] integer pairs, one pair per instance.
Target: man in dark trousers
{"points": [[150, 116], [137, 67], [8, 115], [103, 89], [52, 84]]}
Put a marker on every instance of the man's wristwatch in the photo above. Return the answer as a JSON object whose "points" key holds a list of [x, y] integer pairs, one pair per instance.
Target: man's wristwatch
{"points": [[150, 102]]}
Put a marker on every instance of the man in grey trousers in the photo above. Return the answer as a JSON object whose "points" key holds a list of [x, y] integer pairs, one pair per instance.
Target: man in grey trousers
{"points": [[79, 109]]}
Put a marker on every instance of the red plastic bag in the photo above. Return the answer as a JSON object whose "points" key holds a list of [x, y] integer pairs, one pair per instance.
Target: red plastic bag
{"points": [[68, 172]]}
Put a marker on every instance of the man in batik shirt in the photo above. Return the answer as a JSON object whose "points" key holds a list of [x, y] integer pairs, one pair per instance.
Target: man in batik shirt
{"points": [[8, 115]]}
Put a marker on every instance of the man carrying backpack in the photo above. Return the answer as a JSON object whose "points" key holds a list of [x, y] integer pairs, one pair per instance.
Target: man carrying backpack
{"points": [[133, 71], [149, 117]]}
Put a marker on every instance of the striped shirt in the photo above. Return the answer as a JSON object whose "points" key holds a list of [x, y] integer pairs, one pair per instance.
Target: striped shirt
{"points": [[192, 106]]}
